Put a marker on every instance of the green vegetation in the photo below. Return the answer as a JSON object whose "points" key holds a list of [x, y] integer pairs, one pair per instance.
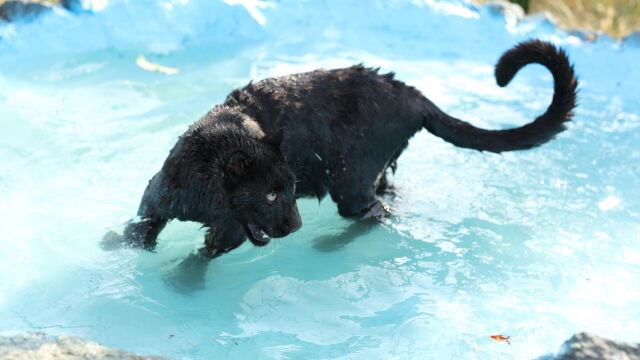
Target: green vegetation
{"points": [[523, 3]]}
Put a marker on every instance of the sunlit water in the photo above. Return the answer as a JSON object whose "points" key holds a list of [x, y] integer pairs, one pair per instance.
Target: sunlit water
{"points": [[535, 245]]}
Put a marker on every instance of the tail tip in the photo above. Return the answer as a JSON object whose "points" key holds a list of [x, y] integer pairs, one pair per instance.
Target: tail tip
{"points": [[526, 52]]}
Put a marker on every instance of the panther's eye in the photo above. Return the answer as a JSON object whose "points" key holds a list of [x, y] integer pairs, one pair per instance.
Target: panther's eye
{"points": [[272, 196]]}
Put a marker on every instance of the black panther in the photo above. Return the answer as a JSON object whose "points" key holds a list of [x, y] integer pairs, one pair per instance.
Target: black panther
{"points": [[336, 132]]}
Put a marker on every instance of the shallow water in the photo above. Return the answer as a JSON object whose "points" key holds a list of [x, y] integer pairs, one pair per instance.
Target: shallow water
{"points": [[535, 245]]}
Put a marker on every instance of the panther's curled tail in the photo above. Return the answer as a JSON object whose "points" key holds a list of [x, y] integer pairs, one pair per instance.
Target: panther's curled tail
{"points": [[536, 133]]}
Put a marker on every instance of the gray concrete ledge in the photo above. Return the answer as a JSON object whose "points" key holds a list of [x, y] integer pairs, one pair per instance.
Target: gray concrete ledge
{"points": [[39, 346], [585, 346]]}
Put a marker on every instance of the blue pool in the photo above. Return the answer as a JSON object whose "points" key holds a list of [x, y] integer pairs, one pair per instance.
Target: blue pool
{"points": [[535, 245]]}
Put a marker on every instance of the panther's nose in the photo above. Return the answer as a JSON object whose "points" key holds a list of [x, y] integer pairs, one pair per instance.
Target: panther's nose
{"points": [[291, 224]]}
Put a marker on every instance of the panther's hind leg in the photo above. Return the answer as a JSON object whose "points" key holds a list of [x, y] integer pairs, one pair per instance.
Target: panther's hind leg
{"points": [[357, 199]]}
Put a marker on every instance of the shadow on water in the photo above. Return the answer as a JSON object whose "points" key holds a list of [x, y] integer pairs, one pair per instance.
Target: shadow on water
{"points": [[336, 242], [188, 276]]}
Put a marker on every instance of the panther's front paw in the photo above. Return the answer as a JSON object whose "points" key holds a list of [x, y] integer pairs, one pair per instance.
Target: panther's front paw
{"points": [[375, 210]]}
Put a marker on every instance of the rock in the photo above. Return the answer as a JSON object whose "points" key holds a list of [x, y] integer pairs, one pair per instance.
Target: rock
{"points": [[585, 346], [505, 8], [39, 346], [15, 10], [74, 6], [584, 35], [29, 10]]}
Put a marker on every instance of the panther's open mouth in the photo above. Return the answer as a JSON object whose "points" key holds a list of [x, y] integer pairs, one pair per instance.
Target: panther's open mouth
{"points": [[256, 235]]}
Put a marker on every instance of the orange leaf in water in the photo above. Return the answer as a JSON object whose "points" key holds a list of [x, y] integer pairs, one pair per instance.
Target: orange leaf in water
{"points": [[501, 338]]}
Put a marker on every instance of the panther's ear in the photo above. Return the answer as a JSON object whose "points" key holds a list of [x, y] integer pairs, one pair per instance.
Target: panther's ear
{"points": [[274, 138], [238, 165]]}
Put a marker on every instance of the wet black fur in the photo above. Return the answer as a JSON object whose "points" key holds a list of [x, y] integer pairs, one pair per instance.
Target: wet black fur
{"points": [[218, 174], [341, 129]]}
